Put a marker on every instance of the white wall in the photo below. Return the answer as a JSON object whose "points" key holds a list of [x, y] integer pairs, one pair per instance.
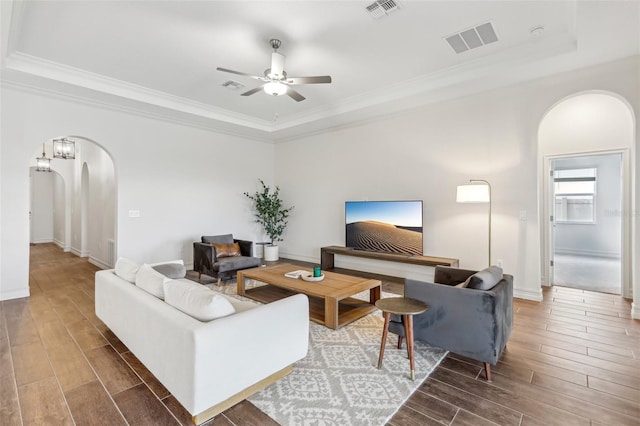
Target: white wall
{"points": [[185, 181], [59, 210], [42, 185], [604, 237], [424, 154]]}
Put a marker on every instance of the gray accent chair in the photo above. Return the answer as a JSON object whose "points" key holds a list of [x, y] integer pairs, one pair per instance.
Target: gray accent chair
{"points": [[205, 260], [466, 321]]}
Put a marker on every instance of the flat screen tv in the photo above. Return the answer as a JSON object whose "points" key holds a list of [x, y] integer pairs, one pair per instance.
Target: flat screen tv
{"points": [[384, 226]]}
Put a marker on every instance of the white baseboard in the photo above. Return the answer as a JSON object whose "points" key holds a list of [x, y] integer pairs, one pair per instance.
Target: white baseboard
{"points": [[61, 244], [586, 252], [42, 241], [79, 253], [635, 310], [99, 263], [535, 295], [14, 294]]}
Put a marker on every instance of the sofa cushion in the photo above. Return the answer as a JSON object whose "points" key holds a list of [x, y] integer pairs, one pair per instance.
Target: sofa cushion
{"points": [[227, 250], [227, 264], [151, 281], [485, 279], [171, 270], [126, 269], [196, 301], [218, 239]]}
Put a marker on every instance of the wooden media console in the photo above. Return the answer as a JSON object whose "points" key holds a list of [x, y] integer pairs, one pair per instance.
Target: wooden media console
{"points": [[327, 254]]}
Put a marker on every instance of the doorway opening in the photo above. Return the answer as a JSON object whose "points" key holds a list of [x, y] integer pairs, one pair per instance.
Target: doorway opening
{"points": [[75, 206], [586, 222]]}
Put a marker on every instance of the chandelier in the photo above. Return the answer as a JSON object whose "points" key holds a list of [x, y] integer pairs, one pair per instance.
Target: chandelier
{"points": [[64, 148], [43, 164]]}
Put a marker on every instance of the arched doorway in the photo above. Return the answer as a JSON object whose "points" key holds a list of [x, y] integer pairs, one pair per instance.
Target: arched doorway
{"points": [[584, 129], [85, 194]]}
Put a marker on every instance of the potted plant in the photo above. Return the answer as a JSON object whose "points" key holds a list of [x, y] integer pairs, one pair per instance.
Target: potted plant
{"points": [[271, 214]]}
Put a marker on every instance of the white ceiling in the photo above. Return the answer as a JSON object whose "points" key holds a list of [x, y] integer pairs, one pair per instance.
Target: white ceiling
{"points": [[160, 57]]}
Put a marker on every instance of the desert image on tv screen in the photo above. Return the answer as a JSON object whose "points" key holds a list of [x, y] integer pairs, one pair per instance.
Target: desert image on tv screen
{"points": [[384, 226]]}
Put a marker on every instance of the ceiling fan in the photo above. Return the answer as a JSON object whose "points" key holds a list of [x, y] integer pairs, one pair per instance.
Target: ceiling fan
{"points": [[276, 81]]}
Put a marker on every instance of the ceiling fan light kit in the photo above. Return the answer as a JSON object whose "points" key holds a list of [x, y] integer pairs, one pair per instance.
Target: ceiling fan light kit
{"points": [[275, 88], [276, 81]]}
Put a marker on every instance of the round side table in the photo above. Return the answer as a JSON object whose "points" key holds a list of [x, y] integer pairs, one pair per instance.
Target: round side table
{"points": [[407, 308]]}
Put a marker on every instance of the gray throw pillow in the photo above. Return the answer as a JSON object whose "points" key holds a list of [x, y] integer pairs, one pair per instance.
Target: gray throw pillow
{"points": [[171, 270], [485, 279]]}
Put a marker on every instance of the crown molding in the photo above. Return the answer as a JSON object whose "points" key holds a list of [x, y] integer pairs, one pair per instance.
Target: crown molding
{"points": [[208, 125], [18, 61]]}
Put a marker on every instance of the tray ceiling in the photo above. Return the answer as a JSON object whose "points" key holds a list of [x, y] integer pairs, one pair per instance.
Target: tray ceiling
{"points": [[160, 57]]}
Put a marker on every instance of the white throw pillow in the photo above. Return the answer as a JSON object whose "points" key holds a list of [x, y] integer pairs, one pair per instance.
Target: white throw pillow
{"points": [[196, 301], [127, 269], [151, 281]]}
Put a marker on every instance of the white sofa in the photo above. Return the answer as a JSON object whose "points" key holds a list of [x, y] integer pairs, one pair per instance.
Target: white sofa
{"points": [[207, 366]]}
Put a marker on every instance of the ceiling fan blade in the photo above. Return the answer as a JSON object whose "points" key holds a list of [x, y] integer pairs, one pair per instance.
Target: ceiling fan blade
{"points": [[277, 66], [252, 91], [239, 73], [309, 80], [295, 95]]}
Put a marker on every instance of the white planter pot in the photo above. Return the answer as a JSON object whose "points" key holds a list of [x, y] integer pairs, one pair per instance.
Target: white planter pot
{"points": [[271, 253]]}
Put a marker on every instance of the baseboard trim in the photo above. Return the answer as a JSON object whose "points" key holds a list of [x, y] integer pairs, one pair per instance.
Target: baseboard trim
{"points": [[45, 241], [635, 310], [536, 295], [61, 244], [588, 253], [99, 263], [79, 253], [14, 294]]}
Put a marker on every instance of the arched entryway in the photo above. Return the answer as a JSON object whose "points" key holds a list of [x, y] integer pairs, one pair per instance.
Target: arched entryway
{"points": [[85, 194], [585, 129]]}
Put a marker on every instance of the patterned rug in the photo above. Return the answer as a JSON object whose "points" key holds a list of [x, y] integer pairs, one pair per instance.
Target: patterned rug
{"points": [[338, 382]]}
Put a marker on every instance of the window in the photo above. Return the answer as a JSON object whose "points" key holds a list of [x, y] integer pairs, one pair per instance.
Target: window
{"points": [[575, 191]]}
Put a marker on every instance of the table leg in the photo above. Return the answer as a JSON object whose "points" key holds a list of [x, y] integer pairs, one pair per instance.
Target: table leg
{"points": [[374, 294], [385, 332], [408, 330], [240, 279], [331, 312]]}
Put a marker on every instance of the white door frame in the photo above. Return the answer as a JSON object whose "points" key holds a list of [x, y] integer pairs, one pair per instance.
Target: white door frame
{"points": [[626, 218]]}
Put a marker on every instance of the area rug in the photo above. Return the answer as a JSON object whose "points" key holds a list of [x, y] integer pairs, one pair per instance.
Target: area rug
{"points": [[338, 383]]}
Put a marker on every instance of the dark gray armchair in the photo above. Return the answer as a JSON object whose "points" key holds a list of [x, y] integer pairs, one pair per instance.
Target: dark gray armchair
{"points": [[466, 321], [206, 260]]}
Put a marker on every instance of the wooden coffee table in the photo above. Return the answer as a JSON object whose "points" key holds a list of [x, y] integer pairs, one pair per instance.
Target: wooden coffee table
{"points": [[330, 301]]}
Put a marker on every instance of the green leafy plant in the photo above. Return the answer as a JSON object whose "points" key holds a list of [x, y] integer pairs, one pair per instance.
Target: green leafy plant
{"points": [[270, 212]]}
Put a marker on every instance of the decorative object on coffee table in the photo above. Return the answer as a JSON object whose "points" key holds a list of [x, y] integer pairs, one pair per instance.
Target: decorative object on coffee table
{"points": [[407, 308], [271, 214], [309, 277]]}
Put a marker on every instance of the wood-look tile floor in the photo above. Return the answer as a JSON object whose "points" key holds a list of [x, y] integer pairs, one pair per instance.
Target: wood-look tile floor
{"points": [[572, 359]]}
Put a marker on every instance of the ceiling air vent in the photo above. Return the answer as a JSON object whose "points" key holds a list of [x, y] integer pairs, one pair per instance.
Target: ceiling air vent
{"points": [[472, 38], [231, 84], [381, 8]]}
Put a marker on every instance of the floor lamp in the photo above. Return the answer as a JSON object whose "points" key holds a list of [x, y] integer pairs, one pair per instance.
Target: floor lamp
{"points": [[478, 192]]}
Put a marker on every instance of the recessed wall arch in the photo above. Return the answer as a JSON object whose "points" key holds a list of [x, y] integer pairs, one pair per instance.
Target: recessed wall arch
{"points": [[587, 123]]}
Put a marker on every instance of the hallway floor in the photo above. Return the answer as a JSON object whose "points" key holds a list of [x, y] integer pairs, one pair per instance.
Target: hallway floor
{"points": [[601, 274]]}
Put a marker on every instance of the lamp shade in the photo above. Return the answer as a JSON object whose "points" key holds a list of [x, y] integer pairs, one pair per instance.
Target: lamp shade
{"points": [[473, 194]]}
